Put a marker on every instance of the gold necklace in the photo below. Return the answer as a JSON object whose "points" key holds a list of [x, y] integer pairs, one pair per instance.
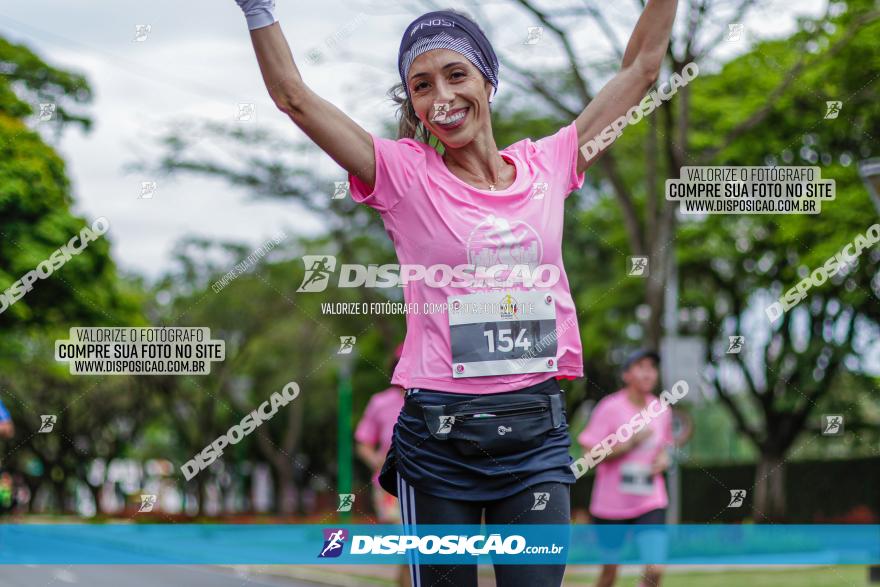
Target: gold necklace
{"points": [[491, 185]]}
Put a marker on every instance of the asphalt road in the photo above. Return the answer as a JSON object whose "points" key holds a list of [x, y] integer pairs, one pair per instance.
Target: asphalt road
{"points": [[135, 576]]}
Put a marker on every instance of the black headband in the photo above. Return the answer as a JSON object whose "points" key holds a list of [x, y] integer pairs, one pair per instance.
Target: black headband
{"points": [[446, 30]]}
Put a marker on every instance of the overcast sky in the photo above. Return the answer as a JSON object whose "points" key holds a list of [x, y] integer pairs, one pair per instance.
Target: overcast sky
{"points": [[196, 63]]}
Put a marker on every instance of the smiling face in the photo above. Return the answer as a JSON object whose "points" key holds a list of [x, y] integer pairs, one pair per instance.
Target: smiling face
{"points": [[444, 81]]}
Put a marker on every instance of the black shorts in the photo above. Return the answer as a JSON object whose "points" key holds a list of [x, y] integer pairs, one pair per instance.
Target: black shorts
{"points": [[613, 539]]}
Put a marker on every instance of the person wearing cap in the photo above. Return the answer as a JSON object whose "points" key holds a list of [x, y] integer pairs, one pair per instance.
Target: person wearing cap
{"points": [[485, 227], [373, 437], [629, 487]]}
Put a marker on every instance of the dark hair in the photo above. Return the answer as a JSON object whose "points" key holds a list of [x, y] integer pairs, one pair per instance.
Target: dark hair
{"points": [[408, 124]]}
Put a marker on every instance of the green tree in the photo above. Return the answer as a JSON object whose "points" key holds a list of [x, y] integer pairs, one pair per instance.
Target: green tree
{"points": [[35, 220], [767, 107], [735, 266], [35, 202]]}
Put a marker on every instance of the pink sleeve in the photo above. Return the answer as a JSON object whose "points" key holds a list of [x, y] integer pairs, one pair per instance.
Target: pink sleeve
{"points": [[597, 428], [561, 150], [367, 431], [397, 166]]}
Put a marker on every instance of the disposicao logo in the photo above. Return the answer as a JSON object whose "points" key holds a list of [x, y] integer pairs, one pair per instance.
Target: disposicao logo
{"points": [[334, 540]]}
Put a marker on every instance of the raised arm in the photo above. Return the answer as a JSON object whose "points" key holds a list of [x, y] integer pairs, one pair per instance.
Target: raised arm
{"points": [[640, 68], [331, 129]]}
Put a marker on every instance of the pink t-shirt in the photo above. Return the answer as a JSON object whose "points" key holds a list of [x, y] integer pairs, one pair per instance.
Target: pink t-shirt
{"points": [[433, 217], [377, 424], [611, 498]]}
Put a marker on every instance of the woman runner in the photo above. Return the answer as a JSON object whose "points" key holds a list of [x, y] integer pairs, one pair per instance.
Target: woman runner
{"points": [[481, 431]]}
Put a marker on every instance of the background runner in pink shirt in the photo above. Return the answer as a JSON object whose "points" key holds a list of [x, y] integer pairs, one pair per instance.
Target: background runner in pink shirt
{"points": [[377, 424], [373, 435], [645, 453]]}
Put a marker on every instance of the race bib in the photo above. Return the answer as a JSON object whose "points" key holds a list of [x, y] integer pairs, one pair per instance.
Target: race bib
{"points": [[636, 479], [502, 333]]}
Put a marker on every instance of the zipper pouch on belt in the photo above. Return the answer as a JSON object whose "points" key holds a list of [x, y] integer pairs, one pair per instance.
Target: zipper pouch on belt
{"points": [[496, 424]]}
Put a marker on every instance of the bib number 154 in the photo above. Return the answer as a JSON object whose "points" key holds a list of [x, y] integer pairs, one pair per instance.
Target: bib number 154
{"points": [[503, 340]]}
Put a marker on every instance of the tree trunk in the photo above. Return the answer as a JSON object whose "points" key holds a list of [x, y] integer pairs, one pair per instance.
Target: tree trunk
{"points": [[769, 502], [661, 227], [58, 497], [202, 496], [33, 484], [655, 298], [96, 496], [286, 494]]}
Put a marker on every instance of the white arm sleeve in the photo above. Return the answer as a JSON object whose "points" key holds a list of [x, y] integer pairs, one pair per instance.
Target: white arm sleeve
{"points": [[259, 13]]}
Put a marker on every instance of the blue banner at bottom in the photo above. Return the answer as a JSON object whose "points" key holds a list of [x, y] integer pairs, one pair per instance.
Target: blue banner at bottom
{"points": [[201, 544]]}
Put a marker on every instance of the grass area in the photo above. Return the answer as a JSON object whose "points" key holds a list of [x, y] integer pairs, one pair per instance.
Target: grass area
{"points": [[843, 576]]}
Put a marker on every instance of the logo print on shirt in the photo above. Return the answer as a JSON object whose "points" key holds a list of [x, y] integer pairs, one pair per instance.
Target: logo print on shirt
{"points": [[498, 241]]}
